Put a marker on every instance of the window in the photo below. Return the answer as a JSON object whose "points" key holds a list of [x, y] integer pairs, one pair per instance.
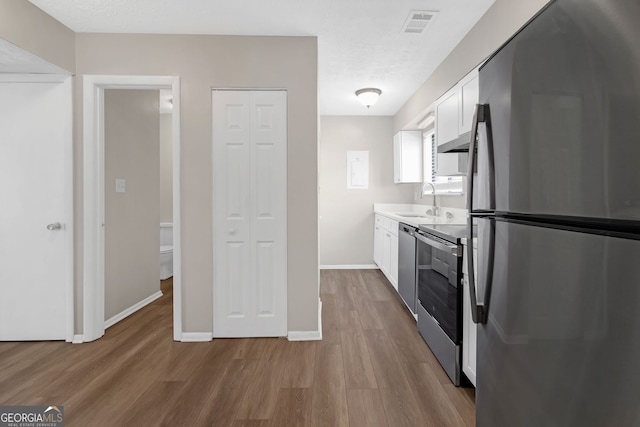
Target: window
{"points": [[429, 153], [444, 184]]}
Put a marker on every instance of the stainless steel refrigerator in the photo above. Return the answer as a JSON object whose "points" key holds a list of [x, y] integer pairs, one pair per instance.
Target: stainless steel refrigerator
{"points": [[554, 182]]}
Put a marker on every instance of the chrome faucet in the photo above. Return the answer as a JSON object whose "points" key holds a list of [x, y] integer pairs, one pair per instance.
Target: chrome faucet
{"points": [[433, 187]]}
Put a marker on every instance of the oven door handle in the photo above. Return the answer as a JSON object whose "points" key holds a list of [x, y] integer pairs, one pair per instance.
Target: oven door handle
{"points": [[452, 249]]}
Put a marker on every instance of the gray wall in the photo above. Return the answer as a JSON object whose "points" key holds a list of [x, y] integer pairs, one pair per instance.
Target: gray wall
{"points": [[132, 152], [28, 27], [346, 225], [495, 27], [166, 168], [203, 62]]}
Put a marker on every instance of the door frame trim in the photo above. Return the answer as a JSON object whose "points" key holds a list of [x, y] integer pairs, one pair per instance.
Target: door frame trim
{"points": [[94, 194], [66, 81]]}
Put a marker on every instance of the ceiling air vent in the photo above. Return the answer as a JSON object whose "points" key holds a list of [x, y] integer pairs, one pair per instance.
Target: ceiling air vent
{"points": [[418, 21]]}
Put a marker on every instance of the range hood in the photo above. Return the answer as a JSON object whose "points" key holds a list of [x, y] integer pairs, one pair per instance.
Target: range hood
{"points": [[458, 145]]}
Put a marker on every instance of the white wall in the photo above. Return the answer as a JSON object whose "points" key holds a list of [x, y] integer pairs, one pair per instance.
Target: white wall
{"points": [[132, 242], [166, 168], [346, 224]]}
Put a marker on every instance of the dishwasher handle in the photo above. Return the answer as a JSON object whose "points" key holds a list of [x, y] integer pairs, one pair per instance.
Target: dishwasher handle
{"points": [[441, 245]]}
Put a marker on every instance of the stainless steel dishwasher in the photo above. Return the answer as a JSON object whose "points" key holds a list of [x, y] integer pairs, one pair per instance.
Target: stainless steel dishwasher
{"points": [[407, 266]]}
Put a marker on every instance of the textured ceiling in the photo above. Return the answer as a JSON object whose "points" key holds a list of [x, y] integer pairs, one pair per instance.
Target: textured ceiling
{"points": [[360, 43]]}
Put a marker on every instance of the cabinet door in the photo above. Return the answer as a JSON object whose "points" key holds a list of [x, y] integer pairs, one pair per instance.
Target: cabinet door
{"points": [[393, 261], [397, 158], [377, 241], [447, 117], [468, 92], [407, 157], [385, 255]]}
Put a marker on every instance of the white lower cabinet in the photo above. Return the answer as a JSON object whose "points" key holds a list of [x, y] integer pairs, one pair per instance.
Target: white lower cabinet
{"points": [[469, 329], [386, 253], [385, 247], [393, 254], [377, 241]]}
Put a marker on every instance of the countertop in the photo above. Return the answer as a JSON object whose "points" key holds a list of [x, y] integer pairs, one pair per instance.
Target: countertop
{"points": [[405, 214]]}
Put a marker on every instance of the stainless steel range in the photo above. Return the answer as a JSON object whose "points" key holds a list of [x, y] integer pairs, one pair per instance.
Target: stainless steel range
{"points": [[439, 276]]}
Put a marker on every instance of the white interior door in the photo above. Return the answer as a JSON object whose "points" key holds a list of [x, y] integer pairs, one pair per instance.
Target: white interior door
{"points": [[249, 213], [36, 218]]}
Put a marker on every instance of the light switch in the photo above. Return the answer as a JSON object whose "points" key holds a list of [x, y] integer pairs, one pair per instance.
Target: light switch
{"points": [[121, 185]]}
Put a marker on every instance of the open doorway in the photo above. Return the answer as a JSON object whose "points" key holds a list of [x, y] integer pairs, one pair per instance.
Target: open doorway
{"points": [[133, 142], [97, 181]]}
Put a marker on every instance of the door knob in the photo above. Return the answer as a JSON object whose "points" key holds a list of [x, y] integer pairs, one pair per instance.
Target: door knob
{"points": [[54, 226]]}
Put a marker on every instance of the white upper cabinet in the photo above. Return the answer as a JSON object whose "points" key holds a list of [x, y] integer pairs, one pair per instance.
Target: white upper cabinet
{"points": [[407, 157], [454, 109], [468, 92], [447, 116]]}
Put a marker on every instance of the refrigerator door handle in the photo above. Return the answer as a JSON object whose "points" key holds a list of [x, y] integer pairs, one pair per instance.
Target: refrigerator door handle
{"points": [[480, 311], [472, 157], [477, 311], [486, 118], [482, 114]]}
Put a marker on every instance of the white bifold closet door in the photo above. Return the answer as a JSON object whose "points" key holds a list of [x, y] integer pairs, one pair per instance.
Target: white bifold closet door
{"points": [[249, 213]]}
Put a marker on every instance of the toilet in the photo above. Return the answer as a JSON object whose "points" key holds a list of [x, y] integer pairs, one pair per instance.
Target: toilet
{"points": [[166, 250]]}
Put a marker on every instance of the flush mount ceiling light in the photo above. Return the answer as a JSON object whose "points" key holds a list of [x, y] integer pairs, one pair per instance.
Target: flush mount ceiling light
{"points": [[368, 96]]}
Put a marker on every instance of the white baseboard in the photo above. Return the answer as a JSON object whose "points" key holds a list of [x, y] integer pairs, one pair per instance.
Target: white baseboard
{"points": [[320, 317], [308, 335], [349, 267], [196, 336], [304, 336], [129, 311], [78, 339]]}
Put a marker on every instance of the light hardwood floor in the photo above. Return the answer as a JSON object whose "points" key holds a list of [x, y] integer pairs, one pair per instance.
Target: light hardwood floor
{"points": [[371, 369]]}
